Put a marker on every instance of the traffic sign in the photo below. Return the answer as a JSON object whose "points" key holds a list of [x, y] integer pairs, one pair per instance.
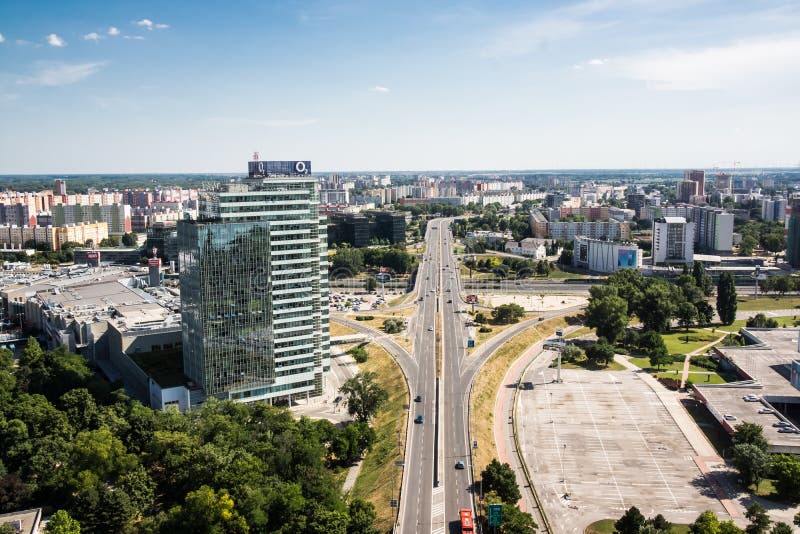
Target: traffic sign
{"points": [[470, 343], [495, 515], [383, 277]]}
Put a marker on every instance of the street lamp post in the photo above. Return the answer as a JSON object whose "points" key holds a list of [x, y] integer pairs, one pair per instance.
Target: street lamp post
{"points": [[560, 335]]}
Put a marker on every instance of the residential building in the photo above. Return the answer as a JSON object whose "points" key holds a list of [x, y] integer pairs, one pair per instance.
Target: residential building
{"points": [[17, 215], [773, 209], [53, 237], [605, 256], [608, 230], [686, 189], [117, 216], [634, 201], [699, 177], [724, 183], [673, 240], [254, 287], [538, 223], [714, 227], [60, 187]]}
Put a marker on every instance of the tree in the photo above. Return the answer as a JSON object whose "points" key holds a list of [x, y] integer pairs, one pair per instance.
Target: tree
{"points": [[752, 462], [781, 528], [362, 516], [687, 315], [364, 396], [508, 313], [706, 523], [62, 523], [705, 312], [347, 262], [630, 522], [751, 434], [759, 519], [111, 241], [515, 521], [660, 524], [130, 239], [702, 280], [760, 320], [359, 354], [500, 479], [726, 299], [392, 326], [796, 519], [786, 472], [207, 511], [31, 354], [371, 284], [729, 527], [747, 245], [658, 304], [601, 352], [608, 315]]}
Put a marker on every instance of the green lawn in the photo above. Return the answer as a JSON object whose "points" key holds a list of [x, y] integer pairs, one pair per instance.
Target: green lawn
{"points": [[582, 331], [769, 302], [590, 366], [676, 340], [643, 362], [696, 378]]}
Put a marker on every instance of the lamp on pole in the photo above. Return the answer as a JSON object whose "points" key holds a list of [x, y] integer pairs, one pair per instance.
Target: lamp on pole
{"points": [[560, 336]]}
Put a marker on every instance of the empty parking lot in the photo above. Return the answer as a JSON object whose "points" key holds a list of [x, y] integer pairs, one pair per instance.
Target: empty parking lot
{"points": [[602, 442]]}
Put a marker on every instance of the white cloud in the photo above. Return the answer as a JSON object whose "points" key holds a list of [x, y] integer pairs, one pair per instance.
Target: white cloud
{"points": [[527, 37], [112, 30], [379, 89], [145, 23], [757, 61], [22, 42], [597, 61], [94, 36], [56, 73], [2, 39], [162, 26], [55, 40], [133, 37]]}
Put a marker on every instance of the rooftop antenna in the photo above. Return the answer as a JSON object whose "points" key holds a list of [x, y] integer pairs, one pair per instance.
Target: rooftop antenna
{"points": [[256, 155]]}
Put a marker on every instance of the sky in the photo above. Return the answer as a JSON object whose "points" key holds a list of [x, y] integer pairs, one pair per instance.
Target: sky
{"points": [[193, 86]]}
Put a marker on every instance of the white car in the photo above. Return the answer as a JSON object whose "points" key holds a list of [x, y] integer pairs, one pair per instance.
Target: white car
{"points": [[729, 417]]}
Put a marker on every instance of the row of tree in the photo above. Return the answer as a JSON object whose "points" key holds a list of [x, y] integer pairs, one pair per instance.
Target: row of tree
{"points": [[352, 261], [633, 522], [781, 284], [752, 459], [69, 440], [499, 486]]}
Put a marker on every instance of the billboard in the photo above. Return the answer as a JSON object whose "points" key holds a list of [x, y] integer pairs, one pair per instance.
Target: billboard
{"points": [[266, 168], [626, 258], [472, 299]]}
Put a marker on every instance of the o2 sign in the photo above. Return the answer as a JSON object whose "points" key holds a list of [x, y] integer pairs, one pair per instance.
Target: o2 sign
{"points": [[300, 167]]}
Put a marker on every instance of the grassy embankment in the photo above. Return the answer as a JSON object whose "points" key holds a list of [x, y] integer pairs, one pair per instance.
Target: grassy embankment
{"points": [[488, 383], [379, 479]]}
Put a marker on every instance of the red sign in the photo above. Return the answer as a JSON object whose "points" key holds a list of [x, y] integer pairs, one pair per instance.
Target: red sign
{"points": [[92, 255], [154, 262], [384, 269]]}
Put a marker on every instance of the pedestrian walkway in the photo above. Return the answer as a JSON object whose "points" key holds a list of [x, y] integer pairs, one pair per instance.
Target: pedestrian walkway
{"points": [[688, 360]]}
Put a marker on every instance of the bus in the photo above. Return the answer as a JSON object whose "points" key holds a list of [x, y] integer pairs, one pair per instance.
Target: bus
{"points": [[466, 521]]}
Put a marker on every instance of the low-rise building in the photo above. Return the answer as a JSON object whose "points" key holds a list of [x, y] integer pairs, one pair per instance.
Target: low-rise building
{"points": [[530, 247], [605, 256]]}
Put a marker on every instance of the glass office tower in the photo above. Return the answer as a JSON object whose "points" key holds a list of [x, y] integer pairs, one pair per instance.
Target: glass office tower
{"points": [[254, 286]]}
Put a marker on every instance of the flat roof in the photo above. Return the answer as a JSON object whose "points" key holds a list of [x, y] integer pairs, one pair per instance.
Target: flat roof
{"points": [[765, 366], [165, 366]]}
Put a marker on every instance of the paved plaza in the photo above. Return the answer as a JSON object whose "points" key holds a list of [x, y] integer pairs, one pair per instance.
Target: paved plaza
{"points": [[601, 442]]}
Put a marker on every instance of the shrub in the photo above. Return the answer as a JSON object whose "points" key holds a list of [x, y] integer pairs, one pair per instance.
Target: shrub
{"points": [[359, 354], [484, 330], [364, 317]]}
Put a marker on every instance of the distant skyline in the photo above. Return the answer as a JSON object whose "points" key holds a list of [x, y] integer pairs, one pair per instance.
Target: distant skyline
{"points": [[196, 87]]}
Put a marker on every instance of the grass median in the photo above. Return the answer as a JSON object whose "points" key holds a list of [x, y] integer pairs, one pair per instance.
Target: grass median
{"points": [[375, 481], [489, 381]]}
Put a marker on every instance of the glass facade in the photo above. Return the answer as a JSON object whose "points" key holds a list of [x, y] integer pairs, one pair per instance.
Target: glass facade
{"points": [[254, 290]]}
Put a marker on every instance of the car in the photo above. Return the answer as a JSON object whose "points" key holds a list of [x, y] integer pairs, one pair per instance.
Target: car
{"points": [[729, 417], [418, 420], [766, 410], [788, 430], [460, 465], [751, 398], [418, 398], [780, 424], [430, 329], [449, 301]]}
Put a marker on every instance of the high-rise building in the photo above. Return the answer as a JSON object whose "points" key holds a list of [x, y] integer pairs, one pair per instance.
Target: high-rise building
{"points": [[724, 183], [699, 177], [793, 238], [60, 187], [254, 286], [117, 216], [714, 227], [686, 190], [673, 240], [773, 209]]}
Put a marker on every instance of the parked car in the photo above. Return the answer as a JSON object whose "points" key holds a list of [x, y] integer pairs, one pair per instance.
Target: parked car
{"points": [[766, 410], [751, 398], [729, 417]]}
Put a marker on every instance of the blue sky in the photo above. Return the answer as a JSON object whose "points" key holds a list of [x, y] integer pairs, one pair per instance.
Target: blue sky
{"points": [[192, 86]]}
